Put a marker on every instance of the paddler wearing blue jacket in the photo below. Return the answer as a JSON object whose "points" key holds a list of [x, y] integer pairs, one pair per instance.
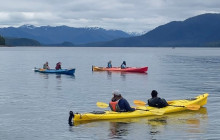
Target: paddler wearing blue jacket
{"points": [[109, 65], [157, 101], [123, 65], [119, 104]]}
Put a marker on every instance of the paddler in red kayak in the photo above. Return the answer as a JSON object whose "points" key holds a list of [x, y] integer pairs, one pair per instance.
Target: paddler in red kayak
{"points": [[157, 101], [123, 65], [119, 104], [109, 64]]}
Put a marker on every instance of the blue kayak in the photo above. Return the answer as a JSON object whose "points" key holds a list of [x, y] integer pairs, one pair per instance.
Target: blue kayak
{"points": [[60, 71]]}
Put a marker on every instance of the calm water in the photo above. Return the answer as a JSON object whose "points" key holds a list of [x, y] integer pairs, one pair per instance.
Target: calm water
{"points": [[35, 106]]}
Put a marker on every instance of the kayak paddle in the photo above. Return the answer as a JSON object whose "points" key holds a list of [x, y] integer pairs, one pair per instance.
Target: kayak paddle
{"points": [[139, 103], [190, 107], [102, 105], [154, 111]]}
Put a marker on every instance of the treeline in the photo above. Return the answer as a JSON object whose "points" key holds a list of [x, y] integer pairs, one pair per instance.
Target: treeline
{"points": [[21, 42], [2, 40]]}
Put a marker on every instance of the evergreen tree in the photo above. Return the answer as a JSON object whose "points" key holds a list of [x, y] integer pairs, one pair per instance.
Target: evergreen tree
{"points": [[2, 40]]}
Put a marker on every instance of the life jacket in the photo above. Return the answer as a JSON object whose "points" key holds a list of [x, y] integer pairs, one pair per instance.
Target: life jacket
{"points": [[114, 106], [58, 66], [109, 65], [45, 66], [123, 66]]}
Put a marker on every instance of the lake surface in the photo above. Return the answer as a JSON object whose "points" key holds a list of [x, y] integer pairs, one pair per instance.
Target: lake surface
{"points": [[36, 106]]}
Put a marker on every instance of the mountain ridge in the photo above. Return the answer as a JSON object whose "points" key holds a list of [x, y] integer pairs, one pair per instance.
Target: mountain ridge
{"points": [[198, 31], [202, 30], [60, 34]]}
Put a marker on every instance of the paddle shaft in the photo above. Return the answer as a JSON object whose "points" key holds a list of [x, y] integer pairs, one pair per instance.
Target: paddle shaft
{"points": [[177, 105]]}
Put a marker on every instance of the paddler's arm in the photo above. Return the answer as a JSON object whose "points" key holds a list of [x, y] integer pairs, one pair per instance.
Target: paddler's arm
{"points": [[127, 106]]}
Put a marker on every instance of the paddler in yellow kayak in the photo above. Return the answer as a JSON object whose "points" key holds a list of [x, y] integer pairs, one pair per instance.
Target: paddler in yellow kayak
{"points": [[157, 101], [119, 104]]}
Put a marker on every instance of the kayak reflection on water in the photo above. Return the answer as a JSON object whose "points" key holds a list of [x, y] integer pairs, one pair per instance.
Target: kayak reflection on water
{"points": [[109, 75], [190, 121], [118, 129]]}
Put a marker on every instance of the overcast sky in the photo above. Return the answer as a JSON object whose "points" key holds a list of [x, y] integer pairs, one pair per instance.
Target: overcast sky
{"points": [[127, 15]]}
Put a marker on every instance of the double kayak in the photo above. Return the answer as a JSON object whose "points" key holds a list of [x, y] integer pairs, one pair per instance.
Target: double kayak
{"points": [[60, 71], [119, 69], [141, 111]]}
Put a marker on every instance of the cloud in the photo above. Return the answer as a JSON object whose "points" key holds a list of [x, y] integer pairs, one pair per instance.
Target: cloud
{"points": [[127, 15]]}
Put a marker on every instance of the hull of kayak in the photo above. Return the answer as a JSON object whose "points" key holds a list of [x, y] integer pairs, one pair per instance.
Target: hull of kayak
{"points": [[128, 69], [61, 71], [143, 111]]}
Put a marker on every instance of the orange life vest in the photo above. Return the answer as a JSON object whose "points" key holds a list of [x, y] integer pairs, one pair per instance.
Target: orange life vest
{"points": [[114, 106]]}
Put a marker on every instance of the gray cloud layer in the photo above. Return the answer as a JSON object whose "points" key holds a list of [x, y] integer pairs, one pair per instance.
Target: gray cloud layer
{"points": [[127, 15]]}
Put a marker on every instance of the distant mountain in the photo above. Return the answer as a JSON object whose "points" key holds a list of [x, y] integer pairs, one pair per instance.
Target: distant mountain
{"points": [[57, 35], [21, 42], [202, 30]]}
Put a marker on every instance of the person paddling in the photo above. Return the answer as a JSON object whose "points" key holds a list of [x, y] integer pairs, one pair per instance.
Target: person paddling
{"points": [[46, 66], [109, 64], [123, 65], [58, 66], [119, 104], [157, 101]]}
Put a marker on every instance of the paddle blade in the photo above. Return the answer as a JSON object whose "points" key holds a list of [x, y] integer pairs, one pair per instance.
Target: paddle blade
{"points": [[190, 107], [102, 105], [141, 108], [193, 107], [139, 103]]}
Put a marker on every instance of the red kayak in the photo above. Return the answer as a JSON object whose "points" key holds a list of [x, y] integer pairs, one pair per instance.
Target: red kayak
{"points": [[128, 69]]}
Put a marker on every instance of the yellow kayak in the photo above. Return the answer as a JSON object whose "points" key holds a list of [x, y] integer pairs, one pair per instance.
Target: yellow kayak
{"points": [[182, 117], [142, 111]]}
